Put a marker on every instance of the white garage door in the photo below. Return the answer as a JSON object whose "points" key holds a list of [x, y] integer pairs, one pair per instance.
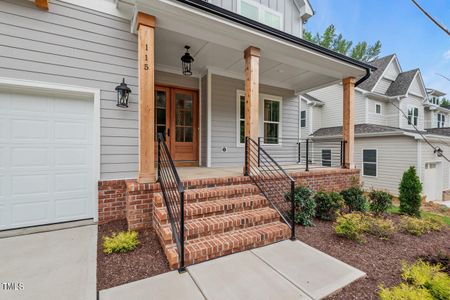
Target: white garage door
{"points": [[46, 159], [432, 183]]}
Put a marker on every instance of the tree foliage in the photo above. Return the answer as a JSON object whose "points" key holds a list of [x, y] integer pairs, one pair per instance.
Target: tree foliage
{"points": [[331, 40], [409, 190]]}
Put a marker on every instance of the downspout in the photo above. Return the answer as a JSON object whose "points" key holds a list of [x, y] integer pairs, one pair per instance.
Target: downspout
{"points": [[364, 78]]}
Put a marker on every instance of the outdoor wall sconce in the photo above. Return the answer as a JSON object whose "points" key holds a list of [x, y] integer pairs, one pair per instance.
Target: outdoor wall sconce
{"points": [[123, 92], [186, 61]]}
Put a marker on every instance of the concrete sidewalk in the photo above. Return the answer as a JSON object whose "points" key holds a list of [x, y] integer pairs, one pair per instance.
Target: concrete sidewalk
{"points": [[285, 270], [51, 265]]}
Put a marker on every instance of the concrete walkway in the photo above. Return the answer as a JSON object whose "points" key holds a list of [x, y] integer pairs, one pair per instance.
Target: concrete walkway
{"points": [[285, 270], [51, 265]]}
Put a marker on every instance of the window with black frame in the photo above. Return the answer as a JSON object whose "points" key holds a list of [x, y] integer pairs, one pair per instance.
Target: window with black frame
{"points": [[303, 118], [370, 162]]}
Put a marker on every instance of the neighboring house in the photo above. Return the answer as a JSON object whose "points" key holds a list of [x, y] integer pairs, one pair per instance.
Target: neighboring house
{"points": [[394, 115], [68, 152]]}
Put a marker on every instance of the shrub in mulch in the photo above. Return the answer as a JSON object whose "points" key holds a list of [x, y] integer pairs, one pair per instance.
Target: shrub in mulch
{"points": [[380, 201], [328, 205], [419, 226], [355, 199], [409, 190], [442, 259], [305, 207], [422, 280]]}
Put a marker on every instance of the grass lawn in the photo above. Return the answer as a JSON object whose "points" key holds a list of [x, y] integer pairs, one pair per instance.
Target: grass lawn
{"points": [[396, 210]]}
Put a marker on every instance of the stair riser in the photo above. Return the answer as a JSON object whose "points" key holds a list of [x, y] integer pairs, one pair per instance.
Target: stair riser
{"points": [[197, 232], [161, 214], [194, 197], [225, 249]]}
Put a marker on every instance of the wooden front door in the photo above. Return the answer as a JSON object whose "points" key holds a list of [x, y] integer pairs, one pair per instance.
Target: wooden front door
{"points": [[176, 116]]}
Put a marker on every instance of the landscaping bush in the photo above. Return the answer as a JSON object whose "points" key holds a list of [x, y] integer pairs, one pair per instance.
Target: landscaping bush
{"points": [[382, 228], [417, 227], [121, 242], [352, 226], [380, 201], [424, 275], [327, 205], [354, 199], [410, 189], [405, 292], [305, 207], [422, 281]]}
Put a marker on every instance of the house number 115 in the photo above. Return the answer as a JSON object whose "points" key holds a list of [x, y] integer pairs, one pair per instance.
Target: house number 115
{"points": [[146, 57]]}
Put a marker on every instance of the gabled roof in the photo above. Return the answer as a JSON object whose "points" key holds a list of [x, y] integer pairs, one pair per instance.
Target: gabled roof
{"points": [[311, 98], [359, 129], [381, 65], [434, 92], [401, 85]]}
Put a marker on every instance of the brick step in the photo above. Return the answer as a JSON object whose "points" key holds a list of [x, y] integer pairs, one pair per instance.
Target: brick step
{"points": [[210, 247], [213, 225], [214, 207], [213, 193]]}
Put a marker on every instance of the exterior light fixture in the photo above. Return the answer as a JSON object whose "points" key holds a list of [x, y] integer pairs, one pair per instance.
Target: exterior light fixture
{"points": [[123, 92], [186, 62]]}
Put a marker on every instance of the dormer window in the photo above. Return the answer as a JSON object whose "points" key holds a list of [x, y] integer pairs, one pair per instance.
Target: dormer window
{"points": [[261, 13], [435, 100], [413, 115]]}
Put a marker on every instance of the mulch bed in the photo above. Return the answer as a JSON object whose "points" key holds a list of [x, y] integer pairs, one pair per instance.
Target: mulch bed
{"points": [[146, 260], [379, 259]]}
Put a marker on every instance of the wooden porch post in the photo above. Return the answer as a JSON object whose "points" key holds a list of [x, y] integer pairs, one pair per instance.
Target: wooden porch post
{"points": [[251, 55], [42, 4], [146, 56], [349, 122]]}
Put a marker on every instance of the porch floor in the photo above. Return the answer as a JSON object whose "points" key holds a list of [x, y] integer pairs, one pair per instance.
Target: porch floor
{"points": [[285, 270], [219, 172]]}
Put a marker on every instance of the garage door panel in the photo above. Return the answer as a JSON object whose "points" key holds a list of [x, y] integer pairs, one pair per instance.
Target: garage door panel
{"points": [[30, 130], [30, 184], [73, 208], [29, 103], [70, 106], [76, 156], [4, 128], [27, 214], [71, 183], [29, 157], [72, 132]]}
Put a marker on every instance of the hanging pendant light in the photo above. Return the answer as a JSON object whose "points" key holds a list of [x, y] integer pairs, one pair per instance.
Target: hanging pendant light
{"points": [[186, 62], [123, 93]]}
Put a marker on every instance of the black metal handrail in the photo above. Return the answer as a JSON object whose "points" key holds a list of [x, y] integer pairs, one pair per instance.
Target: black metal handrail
{"points": [[294, 153], [173, 194], [272, 180]]}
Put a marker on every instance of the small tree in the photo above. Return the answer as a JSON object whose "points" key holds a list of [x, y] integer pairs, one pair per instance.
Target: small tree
{"points": [[305, 207], [410, 189]]}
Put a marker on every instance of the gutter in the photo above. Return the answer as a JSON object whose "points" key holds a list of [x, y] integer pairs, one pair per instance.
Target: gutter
{"points": [[224, 13]]}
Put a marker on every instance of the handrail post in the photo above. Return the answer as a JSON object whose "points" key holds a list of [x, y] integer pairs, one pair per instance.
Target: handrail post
{"points": [[307, 155], [246, 163], [343, 154], [292, 211], [299, 151], [340, 156], [259, 152], [182, 267], [159, 159]]}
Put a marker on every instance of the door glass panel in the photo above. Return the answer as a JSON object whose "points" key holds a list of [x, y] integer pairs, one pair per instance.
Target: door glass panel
{"points": [[183, 118], [160, 112]]}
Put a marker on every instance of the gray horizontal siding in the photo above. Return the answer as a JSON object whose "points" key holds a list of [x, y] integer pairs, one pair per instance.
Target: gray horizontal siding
{"points": [[224, 121]]}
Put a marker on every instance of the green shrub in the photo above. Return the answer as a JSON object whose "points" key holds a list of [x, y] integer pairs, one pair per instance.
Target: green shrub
{"points": [[424, 275], [380, 201], [382, 228], [352, 226], [305, 207], [410, 189], [354, 199], [417, 227], [405, 292], [121, 242], [327, 205]]}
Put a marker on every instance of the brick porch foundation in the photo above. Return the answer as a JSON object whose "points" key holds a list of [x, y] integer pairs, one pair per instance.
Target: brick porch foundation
{"points": [[130, 200]]}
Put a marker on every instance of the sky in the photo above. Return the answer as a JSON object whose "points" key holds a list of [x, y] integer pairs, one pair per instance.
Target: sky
{"points": [[400, 26]]}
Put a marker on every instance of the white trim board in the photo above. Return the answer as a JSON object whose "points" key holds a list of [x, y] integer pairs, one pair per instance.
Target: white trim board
{"points": [[91, 93]]}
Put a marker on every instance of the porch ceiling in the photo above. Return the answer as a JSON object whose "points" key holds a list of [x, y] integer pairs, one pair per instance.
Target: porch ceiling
{"points": [[218, 45]]}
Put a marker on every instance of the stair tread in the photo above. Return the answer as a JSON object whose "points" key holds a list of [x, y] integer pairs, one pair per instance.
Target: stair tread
{"points": [[217, 205], [221, 244], [223, 222]]}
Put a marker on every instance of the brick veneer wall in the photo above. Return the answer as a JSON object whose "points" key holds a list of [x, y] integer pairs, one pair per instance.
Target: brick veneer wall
{"points": [[133, 201]]}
